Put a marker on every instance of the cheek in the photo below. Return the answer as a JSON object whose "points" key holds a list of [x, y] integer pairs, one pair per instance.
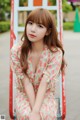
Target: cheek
{"points": [[27, 30], [28, 27], [43, 33]]}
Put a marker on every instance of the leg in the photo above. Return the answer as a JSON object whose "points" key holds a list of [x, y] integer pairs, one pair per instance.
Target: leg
{"points": [[23, 108], [48, 109]]}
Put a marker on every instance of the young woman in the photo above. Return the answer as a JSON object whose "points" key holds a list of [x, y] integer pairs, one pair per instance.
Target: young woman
{"points": [[37, 61]]}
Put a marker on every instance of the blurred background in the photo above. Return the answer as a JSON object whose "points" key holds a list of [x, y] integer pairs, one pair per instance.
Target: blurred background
{"points": [[68, 8], [71, 42]]}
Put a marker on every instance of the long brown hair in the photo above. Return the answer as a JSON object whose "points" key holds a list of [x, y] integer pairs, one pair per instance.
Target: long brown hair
{"points": [[44, 17]]}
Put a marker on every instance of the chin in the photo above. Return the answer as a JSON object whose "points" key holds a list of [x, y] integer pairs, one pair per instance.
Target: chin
{"points": [[32, 40]]}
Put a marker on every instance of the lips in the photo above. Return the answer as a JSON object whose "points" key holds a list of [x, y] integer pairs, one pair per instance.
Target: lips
{"points": [[31, 35]]}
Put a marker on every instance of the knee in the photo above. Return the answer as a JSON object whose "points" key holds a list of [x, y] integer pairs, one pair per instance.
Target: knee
{"points": [[23, 113]]}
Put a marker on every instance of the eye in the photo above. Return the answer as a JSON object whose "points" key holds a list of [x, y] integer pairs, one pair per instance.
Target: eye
{"points": [[30, 22], [40, 25]]}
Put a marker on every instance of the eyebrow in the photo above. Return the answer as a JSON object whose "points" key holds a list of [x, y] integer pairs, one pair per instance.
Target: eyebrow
{"points": [[36, 22]]}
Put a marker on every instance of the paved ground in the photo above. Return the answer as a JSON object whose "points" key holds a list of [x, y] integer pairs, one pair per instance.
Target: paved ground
{"points": [[72, 47], [72, 53], [4, 73]]}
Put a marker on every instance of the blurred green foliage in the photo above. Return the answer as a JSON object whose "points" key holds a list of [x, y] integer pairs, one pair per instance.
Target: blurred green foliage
{"points": [[68, 26], [65, 6], [4, 7], [4, 26], [21, 2]]}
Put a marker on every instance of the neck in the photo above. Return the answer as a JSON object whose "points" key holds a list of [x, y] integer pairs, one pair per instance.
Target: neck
{"points": [[37, 47]]}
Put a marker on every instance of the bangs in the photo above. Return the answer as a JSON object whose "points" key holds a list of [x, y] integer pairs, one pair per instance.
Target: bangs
{"points": [[39, 16]]}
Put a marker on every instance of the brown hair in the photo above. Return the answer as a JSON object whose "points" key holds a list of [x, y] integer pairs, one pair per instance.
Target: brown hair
{"points": [[44, 17]]}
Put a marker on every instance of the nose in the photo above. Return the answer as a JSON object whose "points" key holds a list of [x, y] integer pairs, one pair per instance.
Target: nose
{"points": [[33, 28]]}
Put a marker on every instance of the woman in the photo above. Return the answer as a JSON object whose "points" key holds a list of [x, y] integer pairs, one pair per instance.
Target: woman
{"points": [[37, 61]]}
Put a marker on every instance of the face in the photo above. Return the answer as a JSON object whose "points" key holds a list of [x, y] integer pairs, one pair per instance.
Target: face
{"points": [[35, 32]]}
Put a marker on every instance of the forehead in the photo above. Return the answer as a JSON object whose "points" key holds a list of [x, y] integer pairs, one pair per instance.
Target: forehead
{"points": [[38, 17]]}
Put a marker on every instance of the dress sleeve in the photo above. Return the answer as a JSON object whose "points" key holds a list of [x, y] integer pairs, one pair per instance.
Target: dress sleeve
{"points": [[15, 63], [53, 68]]}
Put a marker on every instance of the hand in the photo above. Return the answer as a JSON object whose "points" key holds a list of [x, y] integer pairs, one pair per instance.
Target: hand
{"points": [[34, 116]]}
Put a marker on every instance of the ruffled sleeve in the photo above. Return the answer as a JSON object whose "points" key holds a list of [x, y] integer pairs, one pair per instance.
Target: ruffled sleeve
{"points": [[51, 73], [15, 62]]}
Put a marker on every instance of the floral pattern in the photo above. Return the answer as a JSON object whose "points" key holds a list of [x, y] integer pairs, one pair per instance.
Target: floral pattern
{"points": [[49, 65]]}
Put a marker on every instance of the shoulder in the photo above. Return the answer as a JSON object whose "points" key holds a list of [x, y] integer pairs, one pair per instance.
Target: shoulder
{"points": [[16, 48], [55, 51], [55, 56]]}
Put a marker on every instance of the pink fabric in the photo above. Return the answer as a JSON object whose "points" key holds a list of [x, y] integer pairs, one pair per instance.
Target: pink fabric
{"points": [[49, 64]]}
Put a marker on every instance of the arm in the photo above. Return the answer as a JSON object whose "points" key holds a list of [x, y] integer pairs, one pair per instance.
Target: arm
{"points": [[40, 94], [16, 67], [29, 90], [49, 76]]}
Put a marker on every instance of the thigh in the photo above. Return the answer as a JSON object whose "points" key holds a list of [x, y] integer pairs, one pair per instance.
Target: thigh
{"points": [[23, 108], [49, 107]]}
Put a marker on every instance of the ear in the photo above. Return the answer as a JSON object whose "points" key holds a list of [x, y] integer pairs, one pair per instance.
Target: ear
{"points": [[48, 32]]}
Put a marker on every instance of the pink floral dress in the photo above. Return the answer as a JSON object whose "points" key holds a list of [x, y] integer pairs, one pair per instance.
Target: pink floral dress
{"points": [[49, 64]]}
